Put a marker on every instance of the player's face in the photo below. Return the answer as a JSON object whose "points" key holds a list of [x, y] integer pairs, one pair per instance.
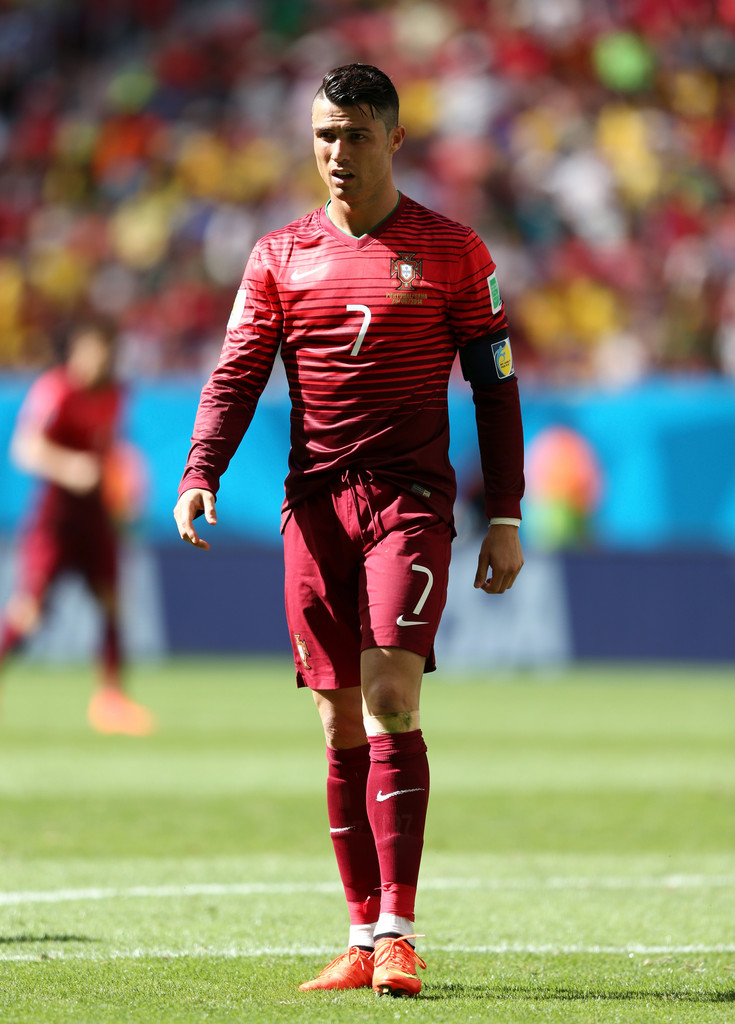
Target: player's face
{"points": [[90, 359], [353, 151]]}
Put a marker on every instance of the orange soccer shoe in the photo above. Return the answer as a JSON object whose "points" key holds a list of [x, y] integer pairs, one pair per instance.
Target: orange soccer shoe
{"points": [[395, 968], [353, 969], [110, 711]]}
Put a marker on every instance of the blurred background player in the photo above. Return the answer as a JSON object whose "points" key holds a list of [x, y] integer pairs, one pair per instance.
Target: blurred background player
{"points": [[65, 435]]}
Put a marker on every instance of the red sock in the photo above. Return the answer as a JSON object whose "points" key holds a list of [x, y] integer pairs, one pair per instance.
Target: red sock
{"points": [[397, 798], [10, 639], [111, 657], [352, 837]]}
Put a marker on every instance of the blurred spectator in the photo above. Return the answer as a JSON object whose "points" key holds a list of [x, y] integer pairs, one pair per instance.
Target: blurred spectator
{"points": [[144, 146], [564, 489]]}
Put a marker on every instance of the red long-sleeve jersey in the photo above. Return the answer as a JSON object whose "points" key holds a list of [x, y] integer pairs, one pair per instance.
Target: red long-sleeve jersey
{"points": [[368, 330], [83, 419]]}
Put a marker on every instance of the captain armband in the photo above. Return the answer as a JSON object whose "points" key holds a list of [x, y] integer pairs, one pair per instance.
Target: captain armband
{"points": [[487, 361]]}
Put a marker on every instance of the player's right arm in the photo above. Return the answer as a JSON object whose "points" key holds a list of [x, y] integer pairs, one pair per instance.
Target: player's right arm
{"points": [[192, 503], [228, 399]]}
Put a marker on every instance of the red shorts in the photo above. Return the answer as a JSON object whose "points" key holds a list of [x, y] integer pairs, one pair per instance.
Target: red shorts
{"points": [[366, 566], [87, 547]]}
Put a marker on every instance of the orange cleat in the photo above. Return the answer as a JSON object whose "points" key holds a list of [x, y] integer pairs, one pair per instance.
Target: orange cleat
{"points": [[353, 969], [395, 968], [110, 711]]}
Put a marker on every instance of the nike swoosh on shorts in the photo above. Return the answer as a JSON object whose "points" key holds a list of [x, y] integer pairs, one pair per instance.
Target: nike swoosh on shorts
{"points": [[400, 621]]}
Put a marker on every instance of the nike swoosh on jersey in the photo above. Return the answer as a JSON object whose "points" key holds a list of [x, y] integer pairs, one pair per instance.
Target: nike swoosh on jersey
{"points": [[298, 275], [346, 828], [400, 621], [381, 796]]}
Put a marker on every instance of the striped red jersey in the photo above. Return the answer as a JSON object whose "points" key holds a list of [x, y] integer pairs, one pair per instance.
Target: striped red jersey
{"points": [[368, 330], [83, 419]]}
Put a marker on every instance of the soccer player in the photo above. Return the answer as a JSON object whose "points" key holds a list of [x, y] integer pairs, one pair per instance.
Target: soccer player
{"points": [[369, 298], [65, 431]]}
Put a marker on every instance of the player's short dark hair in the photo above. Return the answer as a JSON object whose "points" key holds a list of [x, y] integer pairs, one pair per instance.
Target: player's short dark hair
{"points": [[362, 86], [103, 327]]}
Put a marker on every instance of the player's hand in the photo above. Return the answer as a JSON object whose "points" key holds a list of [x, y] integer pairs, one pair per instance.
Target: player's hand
{"points": [[190, 504], [81, 472], [500, 561]]}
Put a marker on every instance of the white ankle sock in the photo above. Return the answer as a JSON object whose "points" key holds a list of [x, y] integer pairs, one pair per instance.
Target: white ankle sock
{"points": [[392, 924], [361, 935]]}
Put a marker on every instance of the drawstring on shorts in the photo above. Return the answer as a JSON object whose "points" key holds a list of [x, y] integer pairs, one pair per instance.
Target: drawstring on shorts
{"points": [[364, 478]]}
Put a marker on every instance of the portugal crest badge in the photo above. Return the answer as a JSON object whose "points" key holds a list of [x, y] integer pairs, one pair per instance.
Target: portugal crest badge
{"points": [[302, 649], [406, 268]]}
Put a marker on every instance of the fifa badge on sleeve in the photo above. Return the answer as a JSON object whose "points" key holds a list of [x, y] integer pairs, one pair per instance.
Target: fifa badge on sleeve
{"points": [[503, 357]]}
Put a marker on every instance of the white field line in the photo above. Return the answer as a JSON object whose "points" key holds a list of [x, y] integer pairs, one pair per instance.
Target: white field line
{"points": [[504, 948], [662, 883], [10, 899]]}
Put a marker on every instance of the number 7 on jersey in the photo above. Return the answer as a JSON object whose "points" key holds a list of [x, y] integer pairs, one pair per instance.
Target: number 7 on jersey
{"points": [[366, 316]]}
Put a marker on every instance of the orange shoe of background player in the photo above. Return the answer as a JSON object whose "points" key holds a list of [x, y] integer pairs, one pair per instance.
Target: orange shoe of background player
{"points": [[110, 711], [394, 973], [353, 969]]}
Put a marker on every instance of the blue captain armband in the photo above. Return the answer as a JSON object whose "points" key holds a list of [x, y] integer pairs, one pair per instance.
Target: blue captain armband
{"points": [[487, 360]]}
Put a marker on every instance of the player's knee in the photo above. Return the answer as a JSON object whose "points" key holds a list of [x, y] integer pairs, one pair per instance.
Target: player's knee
{"points": [[24, 612], [392, 698], [393, 722], [341, 719], [344, 735], [107, 599], [391, 684]]}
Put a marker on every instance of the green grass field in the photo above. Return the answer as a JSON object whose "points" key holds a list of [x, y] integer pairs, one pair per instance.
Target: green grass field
{"points": [[578, 865]]}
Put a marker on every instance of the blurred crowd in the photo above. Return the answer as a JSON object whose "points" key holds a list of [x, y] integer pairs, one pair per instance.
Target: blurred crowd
{"points": [[146, 144]]}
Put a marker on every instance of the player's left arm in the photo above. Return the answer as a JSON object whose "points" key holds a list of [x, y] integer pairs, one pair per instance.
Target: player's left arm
{"points": [[500, 560], [486, 359], [500, 436]]}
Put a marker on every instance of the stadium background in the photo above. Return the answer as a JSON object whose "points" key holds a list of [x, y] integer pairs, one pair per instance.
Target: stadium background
{"points": [[144, 146]]}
